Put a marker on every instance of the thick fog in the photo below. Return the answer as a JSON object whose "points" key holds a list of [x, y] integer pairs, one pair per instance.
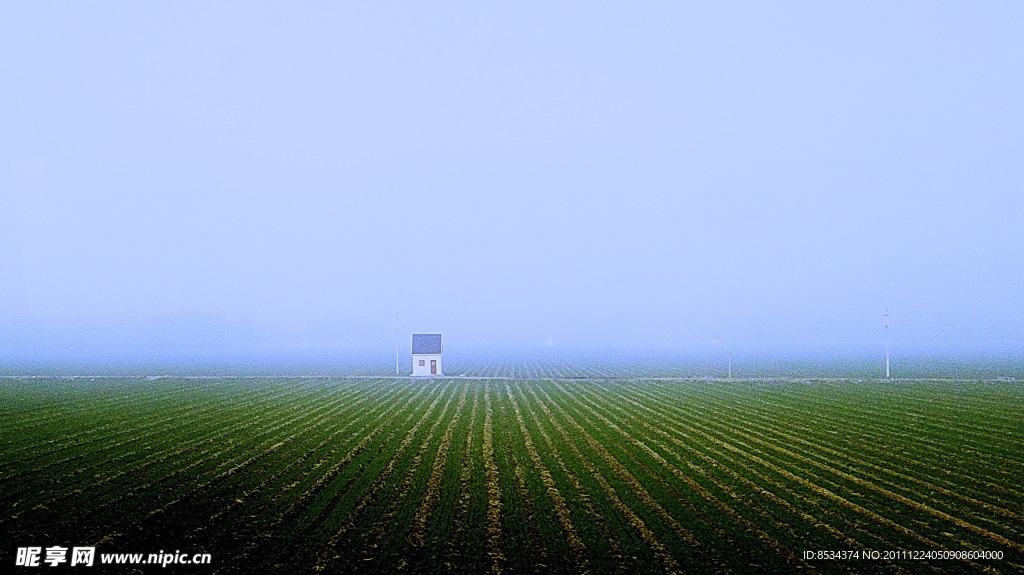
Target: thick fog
{"points": [[256, 179]]}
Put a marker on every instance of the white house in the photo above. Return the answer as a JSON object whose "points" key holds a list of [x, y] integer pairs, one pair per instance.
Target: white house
{"points": [[426, 354]]}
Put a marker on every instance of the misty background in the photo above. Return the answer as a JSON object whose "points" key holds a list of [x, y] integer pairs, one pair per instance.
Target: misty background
{"points": [[256, 180]]}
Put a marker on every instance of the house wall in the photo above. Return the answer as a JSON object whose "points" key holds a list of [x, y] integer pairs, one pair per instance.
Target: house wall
{"points": [[417, 369]]}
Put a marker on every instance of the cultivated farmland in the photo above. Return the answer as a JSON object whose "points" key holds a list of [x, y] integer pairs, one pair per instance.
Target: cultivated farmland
{"points": [[556, 470]]}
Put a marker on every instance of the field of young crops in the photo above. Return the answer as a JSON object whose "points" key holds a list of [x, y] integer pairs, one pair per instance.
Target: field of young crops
{"points": [[538, 473]]}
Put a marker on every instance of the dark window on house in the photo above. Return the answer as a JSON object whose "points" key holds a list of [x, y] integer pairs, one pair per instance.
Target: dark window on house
{"points": [[423, 362]]}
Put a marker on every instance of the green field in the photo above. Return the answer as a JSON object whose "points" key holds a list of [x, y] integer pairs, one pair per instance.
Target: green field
{"points": [[548, 472]]}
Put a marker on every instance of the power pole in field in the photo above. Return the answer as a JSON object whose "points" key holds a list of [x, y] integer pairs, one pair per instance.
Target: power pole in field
{"points": [[886, 316]]}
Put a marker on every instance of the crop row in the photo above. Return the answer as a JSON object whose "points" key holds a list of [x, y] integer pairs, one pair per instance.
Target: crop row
{"points": [[560, 475]]}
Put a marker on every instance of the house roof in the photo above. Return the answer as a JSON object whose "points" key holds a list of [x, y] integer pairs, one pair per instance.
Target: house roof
{"points": [[426, 343]]}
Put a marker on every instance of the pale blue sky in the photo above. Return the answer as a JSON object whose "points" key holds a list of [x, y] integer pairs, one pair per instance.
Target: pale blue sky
{"points": [[239, 176]]}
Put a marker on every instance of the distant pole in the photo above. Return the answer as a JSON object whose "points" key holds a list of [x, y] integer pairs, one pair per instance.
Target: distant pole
{"points": [[887, 344], [397, 346], [730, 365]]}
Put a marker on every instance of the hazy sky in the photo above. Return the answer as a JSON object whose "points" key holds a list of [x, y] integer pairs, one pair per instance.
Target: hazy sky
{"points": [[190, 176]]}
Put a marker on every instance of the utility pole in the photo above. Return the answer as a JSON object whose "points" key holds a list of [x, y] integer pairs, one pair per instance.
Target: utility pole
{"points": [[886, 316], [397, 346]]}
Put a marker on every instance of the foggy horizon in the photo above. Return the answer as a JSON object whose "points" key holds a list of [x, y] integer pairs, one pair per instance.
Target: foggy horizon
{"points": [[349, 341], [256, 182]]}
